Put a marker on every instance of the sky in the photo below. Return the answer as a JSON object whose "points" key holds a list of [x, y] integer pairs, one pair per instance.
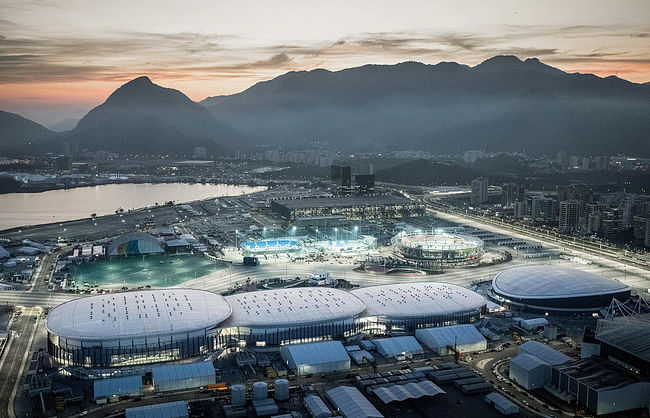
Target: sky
{"points": [[60, 58]]}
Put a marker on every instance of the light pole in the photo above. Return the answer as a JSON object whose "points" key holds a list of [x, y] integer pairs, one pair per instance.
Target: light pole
{"points": [[316, 234], [236, 233], [356, 232], [336, 234]]}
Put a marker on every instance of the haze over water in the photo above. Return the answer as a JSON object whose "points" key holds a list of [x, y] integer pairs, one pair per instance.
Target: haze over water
{"points": [[20, 209]]}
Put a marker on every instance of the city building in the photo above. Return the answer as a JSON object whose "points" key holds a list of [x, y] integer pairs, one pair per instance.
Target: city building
{"points": [[512, 193], [352, 207], [351, 403], [364, 184], [569, 215], [626, 341], [553, 289], [529, 371], [479, 191]]}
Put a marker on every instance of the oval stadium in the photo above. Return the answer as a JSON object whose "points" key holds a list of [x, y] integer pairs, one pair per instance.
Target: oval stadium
{"points": [[444, 249], [406, 307], [125, 329], [548, 288], [291, 315]]}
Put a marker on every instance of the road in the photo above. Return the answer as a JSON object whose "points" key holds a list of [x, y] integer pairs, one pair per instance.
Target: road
{"points": [[15, 357]]}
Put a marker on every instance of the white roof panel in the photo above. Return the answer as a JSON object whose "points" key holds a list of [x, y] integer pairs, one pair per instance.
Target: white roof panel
{"points": [[543, 352], [527, 361], [178, 409], [315, 353], [397, 345], [292, 307], [412, 300], [408, 391], [454, 334], [352, 403], [552, 282], [138, 314]]}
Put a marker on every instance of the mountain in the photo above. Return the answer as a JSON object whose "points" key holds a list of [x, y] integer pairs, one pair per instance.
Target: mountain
{"points": [[64, 125], [19, 132], [426, 173], [142, 117], [502, 104]]}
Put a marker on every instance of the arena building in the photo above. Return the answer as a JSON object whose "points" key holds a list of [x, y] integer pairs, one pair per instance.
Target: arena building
{"points": [[554, 289], [438, 248], [134, 243], [271, 246], [143, 327], [285, 316], [402, 308], [131, 328]]}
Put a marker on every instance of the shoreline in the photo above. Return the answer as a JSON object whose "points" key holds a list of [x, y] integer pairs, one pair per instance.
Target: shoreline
{"points": [[16, 229], [54, 187]]}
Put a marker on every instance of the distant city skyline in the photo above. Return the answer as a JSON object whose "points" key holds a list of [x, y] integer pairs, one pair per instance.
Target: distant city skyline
{"points": [[62, 58]]}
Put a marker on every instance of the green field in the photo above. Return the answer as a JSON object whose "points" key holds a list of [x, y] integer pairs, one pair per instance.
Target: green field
{"points": [[154, 271]]}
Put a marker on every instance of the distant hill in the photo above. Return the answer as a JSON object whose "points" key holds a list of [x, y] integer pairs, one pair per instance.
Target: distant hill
{"points": [[64, 125], [19, 132], [427, 173], [142, 117], [502, 104]]}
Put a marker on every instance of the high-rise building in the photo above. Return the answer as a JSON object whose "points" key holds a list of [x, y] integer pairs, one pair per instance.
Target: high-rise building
{"points": [[569, 214], [479, 191], [341, 180], [200, 152], [511, 193], [473, 155], [364, 183]]}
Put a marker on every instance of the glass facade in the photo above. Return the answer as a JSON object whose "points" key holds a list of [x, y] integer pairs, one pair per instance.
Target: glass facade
{"points": [[124, 353]]}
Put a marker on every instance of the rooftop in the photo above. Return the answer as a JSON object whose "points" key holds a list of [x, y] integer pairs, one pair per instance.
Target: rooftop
{"points": [[599, 374], [315, 353], [352, 403], [630, 334], [287, 307], [404, 301], [543, 352], [541, 282], [138, 314]]}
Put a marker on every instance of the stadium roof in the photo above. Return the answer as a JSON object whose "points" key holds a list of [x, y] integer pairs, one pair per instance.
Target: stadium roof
{"points": [[178, 409], [542, 282], [142, 313], [343, 202], [352, 403], [543, 352], [630, 334], [289, 307], [452, 335], [527, 361], [134, 243], [407, 391], [410, 300], [315, 353]]}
